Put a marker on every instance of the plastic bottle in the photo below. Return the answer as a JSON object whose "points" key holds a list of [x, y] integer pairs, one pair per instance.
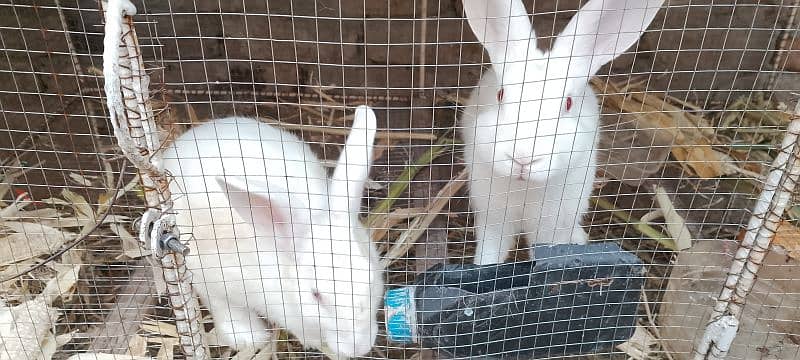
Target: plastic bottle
{"points": [[574, 299]]}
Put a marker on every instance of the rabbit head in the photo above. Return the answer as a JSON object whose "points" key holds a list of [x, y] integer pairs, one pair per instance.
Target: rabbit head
{"points": [[338, 282], [545, 108]]}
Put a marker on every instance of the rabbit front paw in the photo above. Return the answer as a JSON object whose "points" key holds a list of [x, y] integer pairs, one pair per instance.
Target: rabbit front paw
{"points": [[240, 328]]}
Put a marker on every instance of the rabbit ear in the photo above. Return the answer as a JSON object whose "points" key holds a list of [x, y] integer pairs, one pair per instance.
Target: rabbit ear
{"points": [[502, 26], [352, 169], [603, 30], [268, 214]]}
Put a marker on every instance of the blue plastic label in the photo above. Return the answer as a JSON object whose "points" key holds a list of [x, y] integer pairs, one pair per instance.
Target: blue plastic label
{"points": [[400, 315]]}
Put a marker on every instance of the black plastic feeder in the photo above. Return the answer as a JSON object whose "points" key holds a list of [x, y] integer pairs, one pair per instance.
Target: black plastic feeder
{"points": [[574, 299]]}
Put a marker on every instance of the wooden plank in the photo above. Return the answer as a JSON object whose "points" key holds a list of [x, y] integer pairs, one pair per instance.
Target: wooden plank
{"points": [[134, 300]]}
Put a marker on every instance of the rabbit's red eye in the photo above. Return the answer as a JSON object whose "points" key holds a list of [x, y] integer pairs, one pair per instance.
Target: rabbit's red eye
{"points": [[317, 295], [569, 103], [500, 95]]}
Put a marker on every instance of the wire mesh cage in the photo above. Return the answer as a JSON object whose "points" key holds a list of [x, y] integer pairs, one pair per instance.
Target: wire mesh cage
{"points": [[653, 134]]}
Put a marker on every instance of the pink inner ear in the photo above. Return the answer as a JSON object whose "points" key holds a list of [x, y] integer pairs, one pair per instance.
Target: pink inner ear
{"points": [[258, 209], [270, 217], [266, 213]]}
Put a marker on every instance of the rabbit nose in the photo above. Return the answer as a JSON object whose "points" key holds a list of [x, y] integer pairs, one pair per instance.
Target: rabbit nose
{"points": [[519, 166], [528, 159], [523, 160], [517, 160]]}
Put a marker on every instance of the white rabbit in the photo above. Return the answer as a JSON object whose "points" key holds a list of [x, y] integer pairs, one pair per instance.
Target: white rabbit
{"points": [[272, 237], [530, 129]]}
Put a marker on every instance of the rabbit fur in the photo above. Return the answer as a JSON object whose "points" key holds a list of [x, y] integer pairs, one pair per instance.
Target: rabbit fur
{"points": [[269, 235], [530, 128]]}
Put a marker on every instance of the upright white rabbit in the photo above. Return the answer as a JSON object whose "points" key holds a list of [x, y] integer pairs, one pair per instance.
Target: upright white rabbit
{"points": [[272, 237], [530, 128]]}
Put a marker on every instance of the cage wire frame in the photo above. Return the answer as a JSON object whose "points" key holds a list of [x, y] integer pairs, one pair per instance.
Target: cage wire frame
{"points": [[762, 226], [127, 93]]}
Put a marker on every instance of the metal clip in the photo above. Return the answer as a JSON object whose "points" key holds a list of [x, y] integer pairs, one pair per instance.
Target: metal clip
{"points": [[157, 232], [146, 224]]}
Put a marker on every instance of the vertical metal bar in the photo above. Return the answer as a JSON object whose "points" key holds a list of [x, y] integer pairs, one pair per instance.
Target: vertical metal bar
{"points": [[127, 92], [764, 222]]}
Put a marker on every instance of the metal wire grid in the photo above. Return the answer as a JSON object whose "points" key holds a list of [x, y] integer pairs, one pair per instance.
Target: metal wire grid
{"points": [[220, 59]]}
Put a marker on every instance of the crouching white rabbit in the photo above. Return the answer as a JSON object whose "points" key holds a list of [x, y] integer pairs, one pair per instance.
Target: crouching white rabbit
{"points": [[530, 129], [272, 237]]}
